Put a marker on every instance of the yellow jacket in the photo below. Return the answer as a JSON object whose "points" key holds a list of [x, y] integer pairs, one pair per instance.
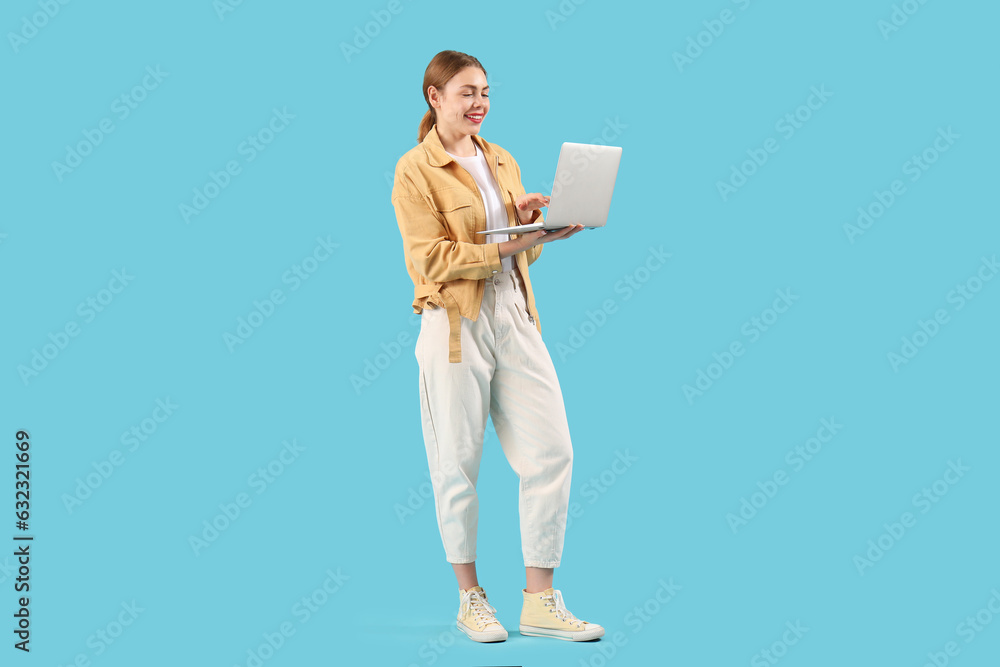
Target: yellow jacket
{"points": [[439, 210]]}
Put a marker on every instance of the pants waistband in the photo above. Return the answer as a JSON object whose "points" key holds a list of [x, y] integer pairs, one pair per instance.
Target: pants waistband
{"points": [[512, 276]]}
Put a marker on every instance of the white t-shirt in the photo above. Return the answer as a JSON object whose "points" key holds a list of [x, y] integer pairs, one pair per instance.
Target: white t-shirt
{"points": [[496, 213]]}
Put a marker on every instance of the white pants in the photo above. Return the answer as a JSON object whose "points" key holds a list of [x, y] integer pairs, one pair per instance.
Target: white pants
{"points": [[506, 373]]}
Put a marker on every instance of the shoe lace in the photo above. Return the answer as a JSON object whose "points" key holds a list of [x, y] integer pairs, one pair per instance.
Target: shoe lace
{"points": [[481, 610], [559, 608]]}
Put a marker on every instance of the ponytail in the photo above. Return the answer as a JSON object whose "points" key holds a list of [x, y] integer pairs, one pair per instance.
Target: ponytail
{"points": [[426, 123]]}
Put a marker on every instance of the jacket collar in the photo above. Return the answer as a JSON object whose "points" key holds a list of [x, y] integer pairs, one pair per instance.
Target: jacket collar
{"points": [[437, 156]]}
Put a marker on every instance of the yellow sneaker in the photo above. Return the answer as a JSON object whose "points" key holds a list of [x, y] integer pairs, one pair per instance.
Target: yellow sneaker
{"points": [[545, 615], [476, 617]]}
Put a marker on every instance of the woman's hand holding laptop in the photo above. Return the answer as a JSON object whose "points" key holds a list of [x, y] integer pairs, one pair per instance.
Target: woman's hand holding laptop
{"points": [[524, 205], [581, 192]]}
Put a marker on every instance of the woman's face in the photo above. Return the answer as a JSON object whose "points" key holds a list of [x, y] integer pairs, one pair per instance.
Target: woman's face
{"points": [[464, 102]]}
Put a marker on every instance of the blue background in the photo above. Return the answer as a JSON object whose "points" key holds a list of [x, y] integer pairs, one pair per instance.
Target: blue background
{"points": [[558, 73]]}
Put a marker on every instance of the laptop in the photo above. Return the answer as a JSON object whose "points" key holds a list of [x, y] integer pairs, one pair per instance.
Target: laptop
{"points": [[581, 191]]}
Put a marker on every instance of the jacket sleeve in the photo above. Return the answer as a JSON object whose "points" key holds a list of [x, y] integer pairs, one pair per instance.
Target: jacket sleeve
{"points": [[435, 256], [531, 254]]}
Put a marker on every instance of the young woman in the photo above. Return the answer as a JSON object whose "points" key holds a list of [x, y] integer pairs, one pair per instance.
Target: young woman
{"points": [[480, 350]]}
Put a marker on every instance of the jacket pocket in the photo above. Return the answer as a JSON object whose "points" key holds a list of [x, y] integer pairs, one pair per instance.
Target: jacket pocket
{"points": [[454, 205]]}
